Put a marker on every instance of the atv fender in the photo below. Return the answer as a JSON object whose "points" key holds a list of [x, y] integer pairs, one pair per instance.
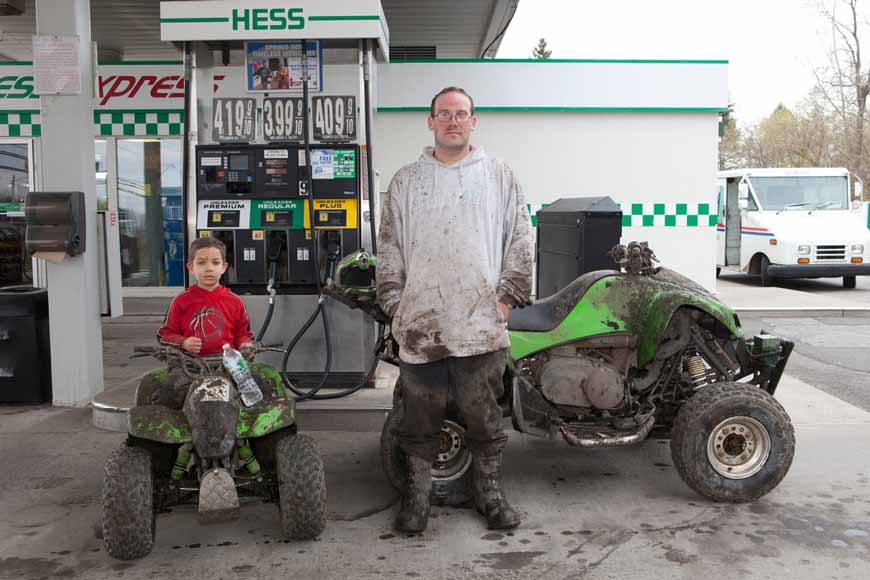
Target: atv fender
{"points": [[266, 417], [159, 423]]}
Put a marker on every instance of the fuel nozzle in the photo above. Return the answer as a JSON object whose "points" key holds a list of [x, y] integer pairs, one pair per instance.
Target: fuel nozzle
{"points": [[333, 252]]}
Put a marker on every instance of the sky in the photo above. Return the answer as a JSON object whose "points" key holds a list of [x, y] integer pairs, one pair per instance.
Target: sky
{"points": [[771, 45]]}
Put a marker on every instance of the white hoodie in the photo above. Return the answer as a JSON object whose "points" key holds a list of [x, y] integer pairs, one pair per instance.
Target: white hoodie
{"points": [[453, 242]]}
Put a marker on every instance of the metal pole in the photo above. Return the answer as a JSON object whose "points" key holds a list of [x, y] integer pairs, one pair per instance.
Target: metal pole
{"points": [[370, 182], [185, 160]]}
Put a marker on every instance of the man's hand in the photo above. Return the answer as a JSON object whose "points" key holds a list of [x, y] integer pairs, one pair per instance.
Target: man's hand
{"points": [[192, 344], [505, 310], [248, 350]]}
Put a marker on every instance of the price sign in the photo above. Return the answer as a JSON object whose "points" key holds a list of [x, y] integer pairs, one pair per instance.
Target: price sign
{"points": [[282, 119], [334, 118], [233, 119]]}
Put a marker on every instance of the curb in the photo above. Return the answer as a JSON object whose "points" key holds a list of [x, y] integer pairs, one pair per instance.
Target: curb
{"points": [[808, 312]]}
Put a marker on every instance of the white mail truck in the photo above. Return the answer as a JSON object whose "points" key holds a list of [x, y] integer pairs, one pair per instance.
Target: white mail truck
{"points": [[792, 223]]}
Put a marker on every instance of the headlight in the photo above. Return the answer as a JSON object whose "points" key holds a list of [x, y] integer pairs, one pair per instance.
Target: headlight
{"points": [[857, 248], [804, 250]]}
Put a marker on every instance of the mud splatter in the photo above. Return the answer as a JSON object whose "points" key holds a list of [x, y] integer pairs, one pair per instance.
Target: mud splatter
{"points": [[510, 560], [680, 556], [492, 537]]}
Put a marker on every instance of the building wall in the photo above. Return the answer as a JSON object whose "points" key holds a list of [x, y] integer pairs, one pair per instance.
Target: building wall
{"points": [[635, 158], [643, 132]]}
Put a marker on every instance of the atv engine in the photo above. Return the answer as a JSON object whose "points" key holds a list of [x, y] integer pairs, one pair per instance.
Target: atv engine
{"points": [[575, 379]]}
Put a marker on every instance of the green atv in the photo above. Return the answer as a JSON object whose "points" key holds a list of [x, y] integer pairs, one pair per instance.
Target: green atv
{"points": [[213, 452], [611, 359]]}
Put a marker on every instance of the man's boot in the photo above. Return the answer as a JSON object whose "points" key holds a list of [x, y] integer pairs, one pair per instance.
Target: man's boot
{"points": [[488, 497], [414, 513]]}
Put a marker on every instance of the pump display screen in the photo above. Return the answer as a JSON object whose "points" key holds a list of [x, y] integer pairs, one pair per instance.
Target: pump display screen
{"points": [[238, 162], [276, 218], [331, 217], [223, 219]]}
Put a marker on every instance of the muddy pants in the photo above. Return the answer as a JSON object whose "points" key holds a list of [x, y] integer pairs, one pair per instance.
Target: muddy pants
{"points": [[474, 383]]}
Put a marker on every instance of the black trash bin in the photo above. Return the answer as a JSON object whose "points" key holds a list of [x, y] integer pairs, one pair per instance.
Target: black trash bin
{"points": [[25, 359], [575, 235]]}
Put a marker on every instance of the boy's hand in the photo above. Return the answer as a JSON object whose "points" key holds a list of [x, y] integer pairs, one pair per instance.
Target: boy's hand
{"points": [[248, 350], [192, 344]]}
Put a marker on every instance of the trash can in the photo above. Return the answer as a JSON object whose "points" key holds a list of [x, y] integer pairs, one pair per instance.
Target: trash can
{"points": [[25, 359], [575, 235]]}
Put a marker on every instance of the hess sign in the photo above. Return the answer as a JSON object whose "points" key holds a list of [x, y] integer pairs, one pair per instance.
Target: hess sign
{"points": [[334, 118]]}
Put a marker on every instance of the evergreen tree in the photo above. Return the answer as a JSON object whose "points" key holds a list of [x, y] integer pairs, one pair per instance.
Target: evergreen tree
{"points": [[540, 51]]}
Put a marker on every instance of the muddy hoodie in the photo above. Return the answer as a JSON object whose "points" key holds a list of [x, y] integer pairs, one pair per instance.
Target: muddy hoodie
{"points": [[453, 242]]}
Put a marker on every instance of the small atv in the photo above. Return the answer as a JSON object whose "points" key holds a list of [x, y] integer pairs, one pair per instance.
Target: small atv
{"points": [[213, 452], [612, 358]]}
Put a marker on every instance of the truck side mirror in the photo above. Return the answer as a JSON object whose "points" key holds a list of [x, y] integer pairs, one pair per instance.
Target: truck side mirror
{"points": [[858, 190], [743, 203], [743, 190]]}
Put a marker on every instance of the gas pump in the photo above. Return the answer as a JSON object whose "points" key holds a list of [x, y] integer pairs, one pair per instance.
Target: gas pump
{"points": [[287, 207]]}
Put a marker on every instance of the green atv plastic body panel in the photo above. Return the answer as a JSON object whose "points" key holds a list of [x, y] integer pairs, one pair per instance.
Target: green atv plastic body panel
{"points": [[165, 425], [639, 305]]}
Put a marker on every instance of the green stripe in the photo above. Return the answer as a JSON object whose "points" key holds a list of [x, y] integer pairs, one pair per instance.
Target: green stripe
{"points": [[573, 109], [561, 60], [134, 62], [21, 111], [138, 111], [16, 63], [316, 18], [180, 20]]}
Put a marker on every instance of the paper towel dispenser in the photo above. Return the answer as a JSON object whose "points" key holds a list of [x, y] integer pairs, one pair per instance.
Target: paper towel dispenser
{"points": [[55, 222]]}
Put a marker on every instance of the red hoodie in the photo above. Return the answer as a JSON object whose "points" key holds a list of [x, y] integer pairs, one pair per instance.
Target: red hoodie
{"points": [[217, 317]]}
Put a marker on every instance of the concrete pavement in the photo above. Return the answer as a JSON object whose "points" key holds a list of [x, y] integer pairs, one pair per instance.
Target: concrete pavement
{"points": [[823, 297], [588, 514]]}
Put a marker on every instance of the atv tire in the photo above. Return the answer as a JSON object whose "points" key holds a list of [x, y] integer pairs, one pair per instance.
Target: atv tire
{"points": [[455, 489], [128, 504], [301, 487], [732, 442]]}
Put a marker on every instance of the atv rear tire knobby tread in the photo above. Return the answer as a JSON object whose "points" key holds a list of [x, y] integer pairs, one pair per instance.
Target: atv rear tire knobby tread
{"points": [[699, 416], [128, 504], [301, 487]]}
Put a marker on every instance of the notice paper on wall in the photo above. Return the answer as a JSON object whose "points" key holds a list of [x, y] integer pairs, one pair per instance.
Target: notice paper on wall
{"points": [[53, 257], [56, 65]]}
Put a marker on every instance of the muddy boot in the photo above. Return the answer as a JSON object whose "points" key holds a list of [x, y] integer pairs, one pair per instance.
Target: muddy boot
{"points": [[414, 513], [488, 498]]}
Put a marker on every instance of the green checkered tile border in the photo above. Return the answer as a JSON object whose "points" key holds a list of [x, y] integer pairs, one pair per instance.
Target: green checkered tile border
{"points": [[23, 123], [647, 215], [144, 123]]}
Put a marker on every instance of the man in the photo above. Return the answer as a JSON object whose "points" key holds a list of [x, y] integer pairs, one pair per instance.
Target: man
{"points": [[455, 255]]}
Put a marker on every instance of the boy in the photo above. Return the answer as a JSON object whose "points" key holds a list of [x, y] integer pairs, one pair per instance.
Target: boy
{"points": [[206, 316], [200, 320]]}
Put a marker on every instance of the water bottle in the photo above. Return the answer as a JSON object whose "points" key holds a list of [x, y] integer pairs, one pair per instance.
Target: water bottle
{"points": [[237, 366]]}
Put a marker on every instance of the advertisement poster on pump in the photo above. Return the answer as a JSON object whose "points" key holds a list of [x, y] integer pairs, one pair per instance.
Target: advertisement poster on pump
{"points": [[277, 66]]}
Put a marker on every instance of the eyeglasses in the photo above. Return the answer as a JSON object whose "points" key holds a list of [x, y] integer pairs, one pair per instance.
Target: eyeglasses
{"points": [[445, 116]]}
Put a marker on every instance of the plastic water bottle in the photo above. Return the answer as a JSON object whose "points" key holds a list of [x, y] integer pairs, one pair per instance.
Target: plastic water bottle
{"points": [[237, 366]]}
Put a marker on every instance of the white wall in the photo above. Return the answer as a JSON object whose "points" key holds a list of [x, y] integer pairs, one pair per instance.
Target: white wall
{"points": [[661, 157]]}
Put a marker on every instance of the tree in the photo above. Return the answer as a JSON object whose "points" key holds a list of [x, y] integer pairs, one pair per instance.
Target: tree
{"points": [[844, 83], [540, 52], [729, 140]]}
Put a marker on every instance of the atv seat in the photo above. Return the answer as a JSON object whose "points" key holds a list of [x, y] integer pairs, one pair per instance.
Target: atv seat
{"points": [[545, 315]]}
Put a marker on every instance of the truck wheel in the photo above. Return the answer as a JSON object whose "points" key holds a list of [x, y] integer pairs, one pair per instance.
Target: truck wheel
{"points": [[301, 487], [451, 472], [718, 271], [732, 442], [766, 279], [849, 282], [128, 504]]}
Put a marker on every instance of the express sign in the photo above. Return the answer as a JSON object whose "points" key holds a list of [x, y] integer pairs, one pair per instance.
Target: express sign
{"points": [[142, 86], [17, 87]]}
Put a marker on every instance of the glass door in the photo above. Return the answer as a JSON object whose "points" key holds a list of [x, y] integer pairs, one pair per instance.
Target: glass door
{"points": [[150, 212], [16, 175]]}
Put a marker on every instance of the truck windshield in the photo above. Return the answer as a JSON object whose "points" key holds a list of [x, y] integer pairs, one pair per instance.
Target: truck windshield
{"points": [[802, 192]]}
